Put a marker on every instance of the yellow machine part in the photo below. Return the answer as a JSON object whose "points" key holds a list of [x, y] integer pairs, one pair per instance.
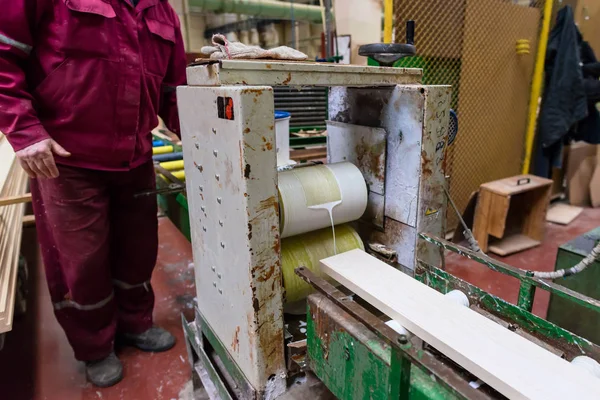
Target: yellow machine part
{"points": [[172, 165], [162, 150], [177, 174], [306, 250]]}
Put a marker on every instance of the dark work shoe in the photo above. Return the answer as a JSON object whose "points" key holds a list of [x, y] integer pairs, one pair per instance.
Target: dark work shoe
{"points": [[105, 372], [155, 339]]}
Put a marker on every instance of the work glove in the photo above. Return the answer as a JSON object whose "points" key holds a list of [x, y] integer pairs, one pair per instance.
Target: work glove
{"points": [[222, 49]]}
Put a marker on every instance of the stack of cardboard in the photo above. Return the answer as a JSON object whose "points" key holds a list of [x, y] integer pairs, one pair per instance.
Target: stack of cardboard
{"points": [[583, 175], [13, 183]]}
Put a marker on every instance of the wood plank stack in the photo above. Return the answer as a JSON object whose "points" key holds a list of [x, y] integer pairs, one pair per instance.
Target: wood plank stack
{"points": [[13, 182]]}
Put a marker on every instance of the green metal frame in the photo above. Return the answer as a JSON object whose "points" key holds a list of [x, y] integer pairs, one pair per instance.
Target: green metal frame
{"points": [[355, 364], [528, 282], [520, 314]]}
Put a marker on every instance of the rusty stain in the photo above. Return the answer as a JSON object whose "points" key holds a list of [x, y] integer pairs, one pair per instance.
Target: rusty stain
{"points": [[270, 202], [245, 194], [271, 127], [255, 91], [269, 146], [369, 157], [249, 231], [255, 305], [247, 130], [268, 66], [264, 139], [425, 164], [202, 196], [235, 344], [250, 147], [288, 79], [266, 275], [247, 171], [276, 244]]}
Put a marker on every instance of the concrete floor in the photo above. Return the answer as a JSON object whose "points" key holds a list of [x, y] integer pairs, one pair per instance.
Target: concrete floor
{"points": [[540, 258], [37, 362]]}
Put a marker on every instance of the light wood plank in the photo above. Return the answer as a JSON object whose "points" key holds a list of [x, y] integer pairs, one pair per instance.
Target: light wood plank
{"points": [[563, 214], [21, 198], [517, 184], [516, 367], [498, 214], [513, 244]]}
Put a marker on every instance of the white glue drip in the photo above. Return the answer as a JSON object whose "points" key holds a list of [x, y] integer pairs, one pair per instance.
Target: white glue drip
{"points": [[329, 208]]}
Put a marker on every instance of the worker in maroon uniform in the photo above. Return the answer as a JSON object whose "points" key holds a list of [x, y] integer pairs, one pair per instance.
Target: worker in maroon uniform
{"points": [[81, 85]]}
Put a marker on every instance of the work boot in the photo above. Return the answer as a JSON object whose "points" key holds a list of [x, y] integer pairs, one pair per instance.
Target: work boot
{"points": [[155, 339], [105, 372]]}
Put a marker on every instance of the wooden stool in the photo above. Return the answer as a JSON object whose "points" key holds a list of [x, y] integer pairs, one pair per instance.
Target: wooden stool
{"points": [[512, 210]]}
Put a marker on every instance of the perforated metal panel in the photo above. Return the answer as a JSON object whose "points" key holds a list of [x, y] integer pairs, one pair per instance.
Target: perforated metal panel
{"points": [[472, 45]]}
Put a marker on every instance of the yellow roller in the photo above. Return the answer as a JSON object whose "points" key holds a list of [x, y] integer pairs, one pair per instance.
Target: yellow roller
{"points": [[306, 250], [172, 165], [177, 174], [162, 150]]}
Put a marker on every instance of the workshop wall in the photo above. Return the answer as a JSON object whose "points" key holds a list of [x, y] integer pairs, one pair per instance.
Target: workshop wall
{"points": [[472, 45]]}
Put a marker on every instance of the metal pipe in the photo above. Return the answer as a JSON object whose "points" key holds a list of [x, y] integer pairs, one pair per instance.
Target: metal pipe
{"points": [[536, 85], [260, 9]]}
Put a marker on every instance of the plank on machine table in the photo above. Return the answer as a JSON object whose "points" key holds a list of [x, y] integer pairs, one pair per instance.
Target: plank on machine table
{"points": [[514, 366]]}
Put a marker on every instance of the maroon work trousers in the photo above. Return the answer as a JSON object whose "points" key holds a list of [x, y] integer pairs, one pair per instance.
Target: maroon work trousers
{"points": [[99, 245]]}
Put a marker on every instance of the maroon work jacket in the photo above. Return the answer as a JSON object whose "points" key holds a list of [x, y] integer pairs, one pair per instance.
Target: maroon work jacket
{"points": [[92, 75]]}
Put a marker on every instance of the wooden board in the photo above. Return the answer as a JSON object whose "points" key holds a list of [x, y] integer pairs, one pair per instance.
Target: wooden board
{"points": [[517, 184], [22, 198], [13, 184], [513, 244], [563, 214], [511, 364]]}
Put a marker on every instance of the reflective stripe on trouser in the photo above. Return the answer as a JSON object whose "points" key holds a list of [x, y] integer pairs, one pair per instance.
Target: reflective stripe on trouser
{"points": [[93, 232]]}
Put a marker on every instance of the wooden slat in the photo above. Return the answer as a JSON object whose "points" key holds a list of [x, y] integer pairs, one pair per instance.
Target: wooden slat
{"points": [[516, 184], [513, 244], [514, 366], [13, 185], [21, 198], [563, 214]]}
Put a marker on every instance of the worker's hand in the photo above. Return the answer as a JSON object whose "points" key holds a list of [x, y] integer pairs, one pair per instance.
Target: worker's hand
{"points": [[38, 159]]}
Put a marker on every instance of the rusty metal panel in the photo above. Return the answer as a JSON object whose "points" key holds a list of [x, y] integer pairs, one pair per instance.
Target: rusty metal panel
{"points": [[432, 199], [229, 152], [281, 73], [362, 146], [416, 121]]}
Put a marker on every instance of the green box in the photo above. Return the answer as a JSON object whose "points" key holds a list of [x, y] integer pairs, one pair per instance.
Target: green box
{"points": [[567, 314]]}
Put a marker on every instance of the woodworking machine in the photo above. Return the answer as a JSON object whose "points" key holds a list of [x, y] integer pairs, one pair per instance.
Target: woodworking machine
{"points": [[242, 345]]}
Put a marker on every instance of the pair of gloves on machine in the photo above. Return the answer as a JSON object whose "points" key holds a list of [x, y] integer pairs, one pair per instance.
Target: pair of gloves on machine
{"points": [[222, 49]]}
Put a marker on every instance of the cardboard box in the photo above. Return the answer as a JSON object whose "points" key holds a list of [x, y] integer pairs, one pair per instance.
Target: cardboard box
{"points": [[581, 167]]}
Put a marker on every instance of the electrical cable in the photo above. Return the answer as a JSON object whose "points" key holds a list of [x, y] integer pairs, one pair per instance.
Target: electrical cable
{"points": [[561, 273]]}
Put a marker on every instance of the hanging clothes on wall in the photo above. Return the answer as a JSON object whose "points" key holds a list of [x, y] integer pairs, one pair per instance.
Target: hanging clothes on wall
{"points": [[568, 111]]}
